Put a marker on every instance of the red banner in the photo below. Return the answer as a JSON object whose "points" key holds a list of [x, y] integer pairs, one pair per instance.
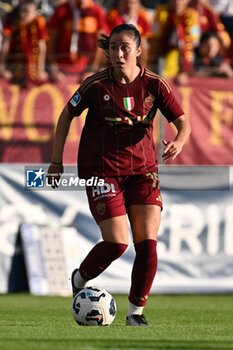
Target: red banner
{"points": [[208, 102], [28, 118]]}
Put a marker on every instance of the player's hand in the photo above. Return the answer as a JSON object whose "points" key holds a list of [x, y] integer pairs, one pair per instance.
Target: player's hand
{"points": [[171, 150], [54, 174]]}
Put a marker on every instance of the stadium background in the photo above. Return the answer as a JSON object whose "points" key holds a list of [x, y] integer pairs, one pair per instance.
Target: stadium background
{"points": [[44, 235]]}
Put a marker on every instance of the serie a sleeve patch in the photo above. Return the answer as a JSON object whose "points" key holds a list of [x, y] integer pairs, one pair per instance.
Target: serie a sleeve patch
{"points": [[76, 98]]}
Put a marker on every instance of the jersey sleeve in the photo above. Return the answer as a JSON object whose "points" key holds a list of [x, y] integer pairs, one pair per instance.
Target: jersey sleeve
{"points": [[42, 28], [79, 101], [168, 104], [7, 29]]}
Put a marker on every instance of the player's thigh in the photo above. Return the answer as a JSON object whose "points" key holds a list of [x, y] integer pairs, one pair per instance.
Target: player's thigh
{"points": [[106, 201], [107, 205], [115, 229], [145, 221]]}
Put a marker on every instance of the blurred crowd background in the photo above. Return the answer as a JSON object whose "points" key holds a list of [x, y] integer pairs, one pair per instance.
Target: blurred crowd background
{"points": [[45, 40]]}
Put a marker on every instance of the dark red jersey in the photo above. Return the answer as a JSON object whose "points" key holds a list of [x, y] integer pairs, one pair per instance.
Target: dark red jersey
{"points": [[117, 138]]}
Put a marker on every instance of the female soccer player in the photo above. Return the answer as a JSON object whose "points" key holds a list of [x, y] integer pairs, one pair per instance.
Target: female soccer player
{"points": [[117, 145]]}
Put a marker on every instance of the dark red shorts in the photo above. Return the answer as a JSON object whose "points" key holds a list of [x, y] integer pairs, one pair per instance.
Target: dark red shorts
{"points": [[118, 193]]}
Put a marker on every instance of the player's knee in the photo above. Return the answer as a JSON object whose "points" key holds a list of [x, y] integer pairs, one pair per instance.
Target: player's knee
{"points": [[115, 249], [146, 248]]}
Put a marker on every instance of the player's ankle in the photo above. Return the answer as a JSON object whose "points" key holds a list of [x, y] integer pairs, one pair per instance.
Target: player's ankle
{"points": [[135, 310], [79, 281]]}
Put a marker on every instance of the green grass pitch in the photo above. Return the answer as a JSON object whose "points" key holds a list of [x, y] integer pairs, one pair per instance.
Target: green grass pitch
{"points": [[177, 322]]}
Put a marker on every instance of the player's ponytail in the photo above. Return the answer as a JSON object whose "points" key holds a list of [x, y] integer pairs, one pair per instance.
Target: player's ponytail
{"points": [[103, 43]]}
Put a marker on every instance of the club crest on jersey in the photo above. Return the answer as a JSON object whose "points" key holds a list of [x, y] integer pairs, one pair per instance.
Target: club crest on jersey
{"points": [[149, 101], [128, 103], [75, 99]]}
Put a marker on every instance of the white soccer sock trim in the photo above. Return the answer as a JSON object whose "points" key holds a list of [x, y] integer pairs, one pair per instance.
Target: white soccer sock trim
{"points": [[135, 310], [79, 282]]}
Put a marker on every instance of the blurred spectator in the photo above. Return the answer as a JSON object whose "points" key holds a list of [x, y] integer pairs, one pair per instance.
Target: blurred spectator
{"points": [[55, 3], [176, 32], [47, 7], [153, 3], [5, 8], [108, 4], [23, 51], [222, 6], [73, 31], [209, 60], [0, 34], [224, 9], [131, 12], [209, 21], [149, 4]]}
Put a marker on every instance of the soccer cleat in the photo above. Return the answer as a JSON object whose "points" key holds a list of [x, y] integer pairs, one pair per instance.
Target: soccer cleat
{"points": [[75, 290], [136, 320]]}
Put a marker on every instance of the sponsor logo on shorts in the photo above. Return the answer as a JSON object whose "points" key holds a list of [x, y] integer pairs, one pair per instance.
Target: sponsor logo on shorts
{"points": [[75, 99], [101, 208], [103, 191]]}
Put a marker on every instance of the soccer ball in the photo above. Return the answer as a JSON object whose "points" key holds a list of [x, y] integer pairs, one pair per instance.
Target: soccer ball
{"points": [[94, 306]]}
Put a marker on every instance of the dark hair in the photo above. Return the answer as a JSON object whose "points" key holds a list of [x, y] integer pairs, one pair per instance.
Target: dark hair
{"points": [[29, 2], [130, 29], [208, 35]]}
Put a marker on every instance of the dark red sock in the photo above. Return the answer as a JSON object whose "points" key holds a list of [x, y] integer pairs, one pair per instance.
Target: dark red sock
{"points": [[143, 273], [100, 257]]}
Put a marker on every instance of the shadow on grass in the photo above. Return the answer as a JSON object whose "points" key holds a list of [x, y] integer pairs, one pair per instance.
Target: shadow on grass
{"points": [[115, 344]]}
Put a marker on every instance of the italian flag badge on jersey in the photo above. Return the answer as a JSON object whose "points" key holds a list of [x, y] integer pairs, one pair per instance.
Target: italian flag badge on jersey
{"points": [[128, 103]]}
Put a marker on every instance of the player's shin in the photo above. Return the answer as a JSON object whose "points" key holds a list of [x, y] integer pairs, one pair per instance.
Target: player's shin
{"points": [[143, 273], [99, 258]]}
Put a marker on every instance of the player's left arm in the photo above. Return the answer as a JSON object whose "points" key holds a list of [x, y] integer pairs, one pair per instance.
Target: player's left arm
{"points": [[173, 148]]}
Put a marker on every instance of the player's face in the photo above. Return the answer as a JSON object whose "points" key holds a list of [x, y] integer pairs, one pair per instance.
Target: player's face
{"points": [[123, 52]]}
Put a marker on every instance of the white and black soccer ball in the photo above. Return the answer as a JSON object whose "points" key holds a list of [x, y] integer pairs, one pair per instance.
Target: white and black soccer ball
{"points": [[94, 306]]}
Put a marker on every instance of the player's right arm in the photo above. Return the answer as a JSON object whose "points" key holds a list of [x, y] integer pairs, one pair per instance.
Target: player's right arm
{"points": [[62, 129], [55, 169], [75, 106]]}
